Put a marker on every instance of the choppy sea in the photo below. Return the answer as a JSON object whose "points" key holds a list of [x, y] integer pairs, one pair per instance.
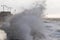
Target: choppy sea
{"points": [[52, 30]]}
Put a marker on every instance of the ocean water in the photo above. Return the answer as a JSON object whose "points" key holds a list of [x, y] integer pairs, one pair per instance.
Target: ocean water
{"points": [[52, 31]]}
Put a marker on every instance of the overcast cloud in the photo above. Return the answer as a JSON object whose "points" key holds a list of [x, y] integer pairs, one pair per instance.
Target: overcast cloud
{"points": [[17, 4], [53, 8]]}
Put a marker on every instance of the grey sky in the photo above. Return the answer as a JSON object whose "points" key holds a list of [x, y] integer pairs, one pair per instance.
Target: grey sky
{"points": [[18, 4], [53, 8]]}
